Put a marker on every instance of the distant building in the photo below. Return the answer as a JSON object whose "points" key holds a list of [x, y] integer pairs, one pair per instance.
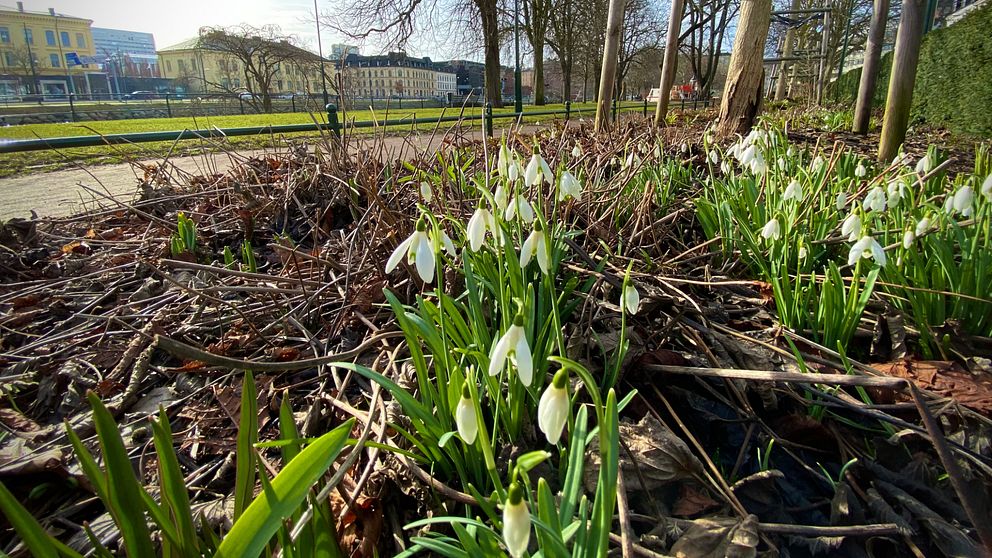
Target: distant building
{"points": [[126, 53], [47, 53], [341, 50], [195, 67], [470, 77], [394, 75]]}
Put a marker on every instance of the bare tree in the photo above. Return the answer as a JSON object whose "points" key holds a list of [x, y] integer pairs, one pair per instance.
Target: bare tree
{"points": [[260, 52], [19, 58], [704, 28], [642, 33], [563, 38], [537, 16], [395, 21]]}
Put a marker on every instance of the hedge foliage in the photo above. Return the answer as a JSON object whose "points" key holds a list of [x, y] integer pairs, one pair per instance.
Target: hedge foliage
{"points": [[953, 81]]}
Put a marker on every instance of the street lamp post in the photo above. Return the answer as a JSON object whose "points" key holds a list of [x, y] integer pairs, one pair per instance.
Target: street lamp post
{"points": [[518, 97], [320, 53]]}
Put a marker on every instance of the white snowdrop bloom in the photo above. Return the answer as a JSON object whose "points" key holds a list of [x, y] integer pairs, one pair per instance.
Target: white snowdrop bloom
{"points": [[904, 159], [657, 152], [860, 171], [516, 522], [465, 417], [841, 201], [963, 200], [418, 250], [504, 160], [782, 163], [818, 163], [867, 247], [851, 227], [445, 242], [513, 346], [537, 170], [536, 245], [708, 136], [715, 158], [790, 152], [631, 299], [577, 151], [875, 199], [987, 187], [949, 205], [794, 191], [758, 163], [552, 409], [426, 193], [803, 252], [569, 186], [501, 197], [519, 207], [685, 147], [746, 156], [725, 167], [895, 189], [924, 165], [771, 230], [907, 239], [514, 171], [482, 221], [922, 227]]}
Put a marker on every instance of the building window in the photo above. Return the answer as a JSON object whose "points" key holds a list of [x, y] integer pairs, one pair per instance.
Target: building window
{"points": [[168, 65], [65, 38], [9, 58], [50, 37], [54, 59], [28, 36], [192, 63], [80, 40], [182, 65], [4, 35]]}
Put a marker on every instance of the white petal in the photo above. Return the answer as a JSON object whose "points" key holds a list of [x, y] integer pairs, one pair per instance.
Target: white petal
{"points": [[528, 249], [426, 192], [449, 246], [397, 256], [543, 254], [923, 226], [424, 257], [841, 201], [500, 197], [631, 299], [552, 413], [546, 171], [516, 529], [531, 175], [987, 187], [502, 349], [907, 239], [524, 360], [963, 198], [877, 252], [476, 230], [465, 420], [526, 212]]}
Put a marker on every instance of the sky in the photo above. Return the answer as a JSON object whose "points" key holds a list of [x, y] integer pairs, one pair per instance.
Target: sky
{"points": [[173, 21]]}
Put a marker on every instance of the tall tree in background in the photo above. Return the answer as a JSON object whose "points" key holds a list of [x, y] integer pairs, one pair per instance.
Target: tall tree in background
{"points": [[537, 20], [562, 38], [642, 33], [704, 28], [742, 95], [394, 22], [259, 51]]}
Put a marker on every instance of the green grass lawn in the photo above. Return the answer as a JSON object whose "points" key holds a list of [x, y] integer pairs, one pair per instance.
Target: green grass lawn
{"points": [[46, 160]]}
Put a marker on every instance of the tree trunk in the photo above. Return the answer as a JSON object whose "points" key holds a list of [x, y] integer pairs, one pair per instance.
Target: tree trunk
{"points": [[671, 62], [538, 72], [614, 24], [790, 38], [566, 78], [869, 71], [900, 97], [490, 35], [742, 95]]}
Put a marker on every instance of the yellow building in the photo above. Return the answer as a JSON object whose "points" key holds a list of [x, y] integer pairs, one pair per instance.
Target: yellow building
{"points": [[47, 53], [196, 68], [395, 75]]}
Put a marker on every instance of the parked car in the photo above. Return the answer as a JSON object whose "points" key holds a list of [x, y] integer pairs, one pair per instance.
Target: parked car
{"points": [[248, 96], [140, 95]]}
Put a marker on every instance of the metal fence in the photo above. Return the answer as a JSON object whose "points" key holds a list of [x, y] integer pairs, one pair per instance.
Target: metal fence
{"points": [[333, 125]]}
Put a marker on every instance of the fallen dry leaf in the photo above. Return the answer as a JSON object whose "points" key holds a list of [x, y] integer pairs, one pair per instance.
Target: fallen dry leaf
{"points": [[947, 379]]}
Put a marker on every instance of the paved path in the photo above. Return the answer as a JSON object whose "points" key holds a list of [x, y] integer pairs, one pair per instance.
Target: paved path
{"points": [[66, 192]]}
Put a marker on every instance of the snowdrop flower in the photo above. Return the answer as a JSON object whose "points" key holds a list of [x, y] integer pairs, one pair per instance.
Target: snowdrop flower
{"points": [[867, 247], [516, 522], [851, 227], [657, 152], [903, 159], [758, 163], [745, 157], [425, 192], [513, 346], [465, 417], [725, 167], [987, 187], [715, 158], [949, 205], [569, 186], [577, 151], [841, 201], [896, 189], [794, 191], [445, 242], [537, 169], [963, 199], [514, 170], [481, 222], [790, 152], [817, 163], [685, 147], [503, 161], [802, 252], [907, 239], [536, 245], [631, 299], [771, 230], [924, 165], [501, 197], [418, 250], [860, 171], [875, 199], [520, 206], [552, 409], [782, 163], [922, 227]]}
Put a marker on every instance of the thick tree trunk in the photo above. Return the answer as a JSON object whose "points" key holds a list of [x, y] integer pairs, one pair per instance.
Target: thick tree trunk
{"points": [[671, 62], [490, 35], [869, 71], [566, 78], [900, 97], [607, 78], [742, 95], [538, 72]]}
